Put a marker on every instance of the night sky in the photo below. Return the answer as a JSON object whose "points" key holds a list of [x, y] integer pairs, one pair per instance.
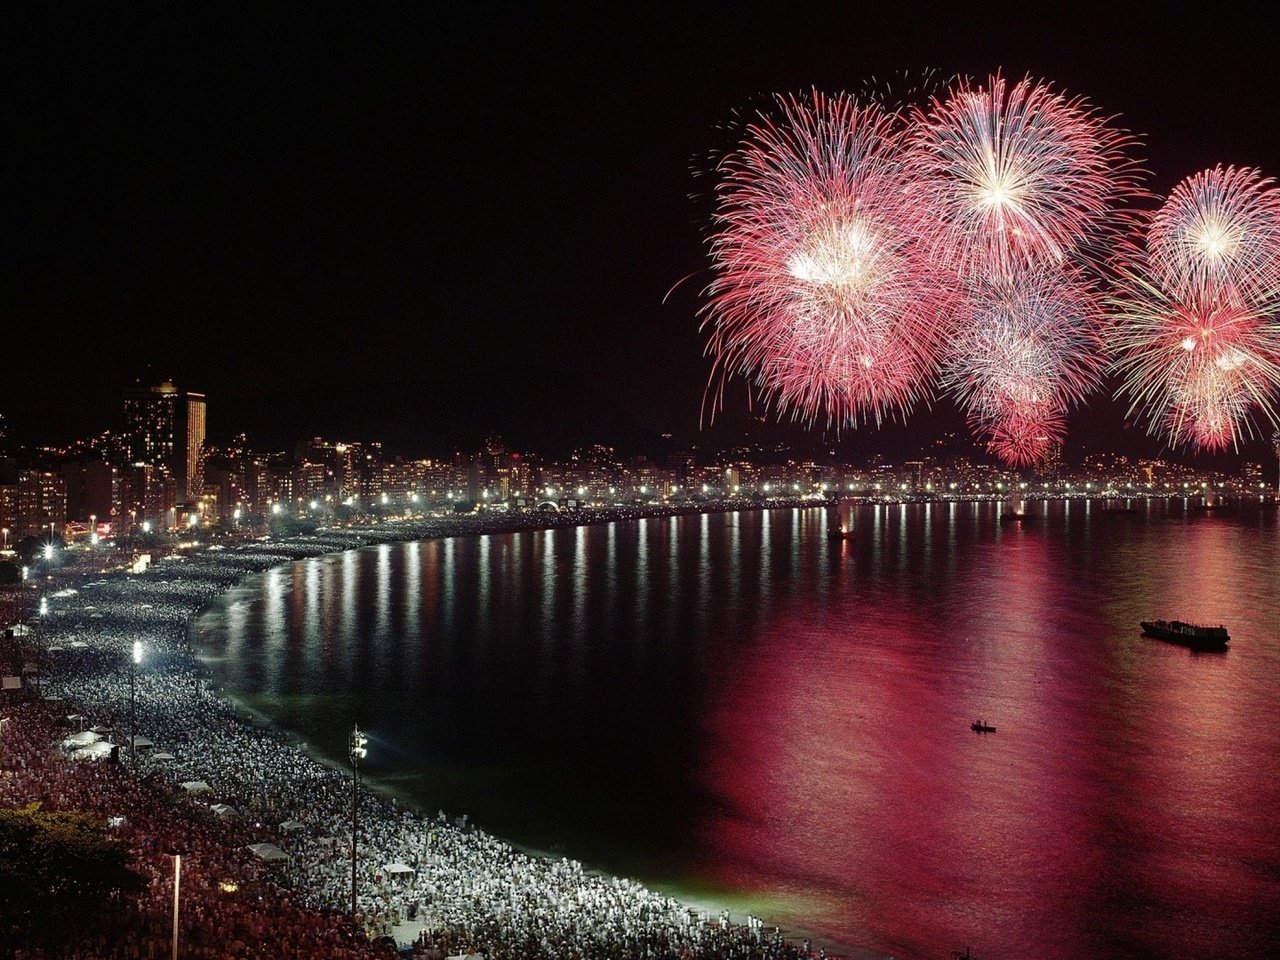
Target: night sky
{"points": [[424, 228]]}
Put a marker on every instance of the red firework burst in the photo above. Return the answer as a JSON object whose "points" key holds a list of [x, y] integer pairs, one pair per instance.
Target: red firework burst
{"points": [[824, 294], [1020, 176], [1220, 227], [1198, 361], [1027, 348]]}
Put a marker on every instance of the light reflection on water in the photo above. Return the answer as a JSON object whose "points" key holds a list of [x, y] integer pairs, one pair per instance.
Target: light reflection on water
{"points": [[733, 703]]}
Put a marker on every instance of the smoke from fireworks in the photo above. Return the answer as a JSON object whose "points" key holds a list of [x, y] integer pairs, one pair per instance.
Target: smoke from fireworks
{"points": [[825, 295]]}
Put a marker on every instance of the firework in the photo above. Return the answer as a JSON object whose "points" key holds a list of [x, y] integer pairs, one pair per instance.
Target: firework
{"points": [[1020, 176], [1198, 361], [1027, 435], [1027, 348], [825, 295], [1220, 227]]}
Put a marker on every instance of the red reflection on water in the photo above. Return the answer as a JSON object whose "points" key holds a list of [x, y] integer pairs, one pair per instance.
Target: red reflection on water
{"points": [[1096, 821]]}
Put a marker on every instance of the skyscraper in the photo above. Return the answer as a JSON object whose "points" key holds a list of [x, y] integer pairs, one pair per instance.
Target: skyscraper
{"points": [[165, 427]]}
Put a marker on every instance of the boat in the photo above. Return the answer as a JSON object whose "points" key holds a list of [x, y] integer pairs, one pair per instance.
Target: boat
{"points": [[981, 726], [840, 520], [1021, 517], [1188, 634]]}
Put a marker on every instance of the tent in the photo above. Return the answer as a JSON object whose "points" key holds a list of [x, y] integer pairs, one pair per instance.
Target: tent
{"points": [[224, 810], [398, 869], [100, 729], [142, 743], [163, 756], [94, 751], [197, 786], [82, 738], [292, 826], [268, 852]]}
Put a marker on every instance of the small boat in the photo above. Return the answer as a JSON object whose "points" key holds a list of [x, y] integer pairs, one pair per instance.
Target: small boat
{"points": [[981, 726], [1188, 634]]}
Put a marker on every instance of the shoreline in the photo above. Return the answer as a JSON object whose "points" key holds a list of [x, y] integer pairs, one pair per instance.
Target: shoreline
{"points": [[336, 541]]}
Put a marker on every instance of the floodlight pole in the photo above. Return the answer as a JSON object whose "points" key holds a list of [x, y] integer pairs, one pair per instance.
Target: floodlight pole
{"points": [[356, 751], [177, 882]]}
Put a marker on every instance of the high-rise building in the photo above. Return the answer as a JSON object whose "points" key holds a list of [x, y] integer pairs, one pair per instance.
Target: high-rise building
{"points": [[145, 494], [42, 504], [165, 427], [91, 489]]}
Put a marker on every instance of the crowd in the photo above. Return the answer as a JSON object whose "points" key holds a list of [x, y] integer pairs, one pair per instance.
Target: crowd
{"points": [[214, 783]]}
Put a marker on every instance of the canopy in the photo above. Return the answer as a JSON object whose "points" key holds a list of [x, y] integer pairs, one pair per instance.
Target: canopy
{"points": [[224, 810], [398, 868], [268, 851], [163, 756], [142, 743], [100, 729], [291, 826], [85, 736], [94, 751], [197, 786]]}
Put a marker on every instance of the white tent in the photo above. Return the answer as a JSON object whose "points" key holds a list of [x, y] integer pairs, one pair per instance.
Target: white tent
{"points": [[268, 852], [82, 738], [292, 826], [94, 751], [398, 869], [142, 743], [100, 729], [224, 810], [197, 786], [163, 756]]}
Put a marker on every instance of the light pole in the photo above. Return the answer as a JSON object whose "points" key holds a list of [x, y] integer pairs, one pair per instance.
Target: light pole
{"points": [[358, 748], [177, 883], [133, 730]]}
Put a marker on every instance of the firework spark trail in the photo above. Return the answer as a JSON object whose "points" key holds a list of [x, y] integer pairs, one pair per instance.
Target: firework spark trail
{"points": [[1027, 349], [1198, 361], [825, 295], [1020, 176], [1026, 185], [1218, 227]]}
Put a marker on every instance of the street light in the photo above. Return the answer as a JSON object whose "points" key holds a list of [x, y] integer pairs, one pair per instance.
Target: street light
{"points": [[358, 747], [177, 883], [133, 730]]}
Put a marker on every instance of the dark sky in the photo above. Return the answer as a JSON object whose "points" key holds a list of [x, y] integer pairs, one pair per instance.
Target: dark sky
{"points": [[434, 225]]}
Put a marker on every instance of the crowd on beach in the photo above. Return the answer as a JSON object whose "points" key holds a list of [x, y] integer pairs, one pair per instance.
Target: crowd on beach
{"points": [[209, 783]]}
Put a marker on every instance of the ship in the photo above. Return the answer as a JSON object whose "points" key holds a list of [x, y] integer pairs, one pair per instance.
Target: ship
{"points": [[840, 520], [1188, 634]]}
